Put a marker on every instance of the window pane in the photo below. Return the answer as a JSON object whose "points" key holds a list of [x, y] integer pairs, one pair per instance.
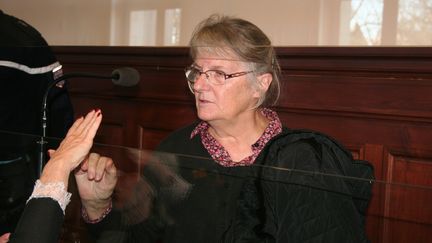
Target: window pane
{"points": [[415, 22]]}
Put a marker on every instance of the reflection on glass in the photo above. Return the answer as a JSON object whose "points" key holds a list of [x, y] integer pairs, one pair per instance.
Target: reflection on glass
{"points": [[399, 205]]}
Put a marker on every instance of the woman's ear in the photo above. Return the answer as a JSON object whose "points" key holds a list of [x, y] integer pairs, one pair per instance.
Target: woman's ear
{"points": [[263, 84], [264, 81]]}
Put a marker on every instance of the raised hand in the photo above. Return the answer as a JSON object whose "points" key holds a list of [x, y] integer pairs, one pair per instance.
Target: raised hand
{"points": [[73, 149]]}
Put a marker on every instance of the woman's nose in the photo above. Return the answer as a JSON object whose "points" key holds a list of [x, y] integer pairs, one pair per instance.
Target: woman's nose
{"points": [[201, 83]]}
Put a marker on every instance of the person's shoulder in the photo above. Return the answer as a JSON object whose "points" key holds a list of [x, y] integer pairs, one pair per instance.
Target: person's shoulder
{"points": [[313, 149], [307, 138], [17, 32], [305, 149], [177, 138], [183, 132]]}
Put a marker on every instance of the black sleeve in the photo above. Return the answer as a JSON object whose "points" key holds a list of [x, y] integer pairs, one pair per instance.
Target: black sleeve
{"points": [[113, 229], [41, 222]]}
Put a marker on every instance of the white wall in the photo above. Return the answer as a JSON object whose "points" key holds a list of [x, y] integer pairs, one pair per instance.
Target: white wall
{"points": [[287, 22]]}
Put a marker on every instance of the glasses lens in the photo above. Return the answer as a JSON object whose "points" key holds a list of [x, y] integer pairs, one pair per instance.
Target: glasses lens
{"points": [[213, 76], [191, 74], [216, 77]]}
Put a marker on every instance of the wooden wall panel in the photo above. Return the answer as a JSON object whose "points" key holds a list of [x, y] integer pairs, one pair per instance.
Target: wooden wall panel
{"points": [[374, 222], [376, 101], [410, 179]]}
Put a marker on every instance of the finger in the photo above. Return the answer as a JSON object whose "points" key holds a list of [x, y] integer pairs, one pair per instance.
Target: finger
{"points": [[94, 125], [110, 172], [110, 167], [100, 170], [75, 125], [92, 165], [4, 237], [84, 164], [78, 125], [51, 152], [83, 126], [83, 167], [91, 125]]}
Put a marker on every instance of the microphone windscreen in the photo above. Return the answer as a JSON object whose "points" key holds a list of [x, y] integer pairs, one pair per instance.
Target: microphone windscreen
{"points": [[125, 76]]}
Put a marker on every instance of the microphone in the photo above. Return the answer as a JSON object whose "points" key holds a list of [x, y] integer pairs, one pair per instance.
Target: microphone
{"points": [[125, 76]]}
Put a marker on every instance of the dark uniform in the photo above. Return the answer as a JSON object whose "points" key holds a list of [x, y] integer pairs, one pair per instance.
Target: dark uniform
{"points": [[27, 67]]}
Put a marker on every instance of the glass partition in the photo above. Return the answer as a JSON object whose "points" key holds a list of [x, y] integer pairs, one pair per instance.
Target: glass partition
{"points": [[166, 188]]}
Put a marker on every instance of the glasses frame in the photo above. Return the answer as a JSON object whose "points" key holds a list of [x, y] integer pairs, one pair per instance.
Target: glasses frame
{"points": [[226, 76]]}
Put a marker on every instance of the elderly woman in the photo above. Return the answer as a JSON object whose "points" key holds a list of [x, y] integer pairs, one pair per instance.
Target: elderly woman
{"points": [[230, 156]]}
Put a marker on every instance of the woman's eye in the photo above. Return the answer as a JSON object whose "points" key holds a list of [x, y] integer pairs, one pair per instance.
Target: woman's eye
{"points": [[219, 74], [195, 72]]}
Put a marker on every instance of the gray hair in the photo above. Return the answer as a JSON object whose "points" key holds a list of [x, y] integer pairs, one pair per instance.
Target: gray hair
{"points": [[224, 35]]}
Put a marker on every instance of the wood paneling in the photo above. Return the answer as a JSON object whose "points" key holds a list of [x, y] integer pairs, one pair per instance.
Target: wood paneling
{"points": [[376, 101]]}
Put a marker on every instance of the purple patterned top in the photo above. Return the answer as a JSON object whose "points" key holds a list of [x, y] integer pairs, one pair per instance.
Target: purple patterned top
{"points": [[221, 156]]}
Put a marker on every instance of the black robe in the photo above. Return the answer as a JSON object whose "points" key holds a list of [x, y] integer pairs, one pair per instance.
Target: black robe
{"points": [[301, 188]]}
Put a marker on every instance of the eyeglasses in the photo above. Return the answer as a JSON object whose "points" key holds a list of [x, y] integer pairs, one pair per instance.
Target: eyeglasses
{"points": [[215, 77]]}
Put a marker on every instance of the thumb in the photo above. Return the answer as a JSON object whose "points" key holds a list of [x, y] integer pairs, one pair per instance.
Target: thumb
{"points": [[51, 152], [82, 168], [4, 238], [111, 171]]}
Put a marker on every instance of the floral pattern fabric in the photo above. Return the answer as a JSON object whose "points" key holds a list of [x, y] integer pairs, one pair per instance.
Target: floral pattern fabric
{"points": [[219, 153]]}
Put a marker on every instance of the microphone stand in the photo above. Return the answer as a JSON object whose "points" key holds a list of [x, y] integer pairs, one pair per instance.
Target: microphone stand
{"points": [[42, 143]]}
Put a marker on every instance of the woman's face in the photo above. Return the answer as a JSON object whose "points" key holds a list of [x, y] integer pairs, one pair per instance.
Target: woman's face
{"points": [[228, 101]]}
